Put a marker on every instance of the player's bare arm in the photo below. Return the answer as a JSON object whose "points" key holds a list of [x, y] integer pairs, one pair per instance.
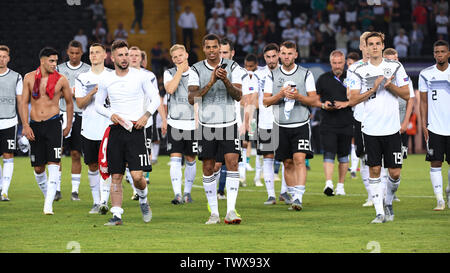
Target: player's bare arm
{"points": [[84, 101], [270, 99], [23, 110], [402, 91], [424, 113], [356, 97], [67, 93], [312, 99], [172, 85]]}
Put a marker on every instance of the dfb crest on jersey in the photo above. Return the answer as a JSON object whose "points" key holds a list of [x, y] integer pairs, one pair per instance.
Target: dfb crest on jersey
{"points": [[387, 73]]}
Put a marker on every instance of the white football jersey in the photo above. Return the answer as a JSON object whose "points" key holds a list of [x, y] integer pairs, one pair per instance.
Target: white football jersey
{"points": [[93, 125], [436, 84], [381, 111], [147, 99], [358, 110], [265, 117]]}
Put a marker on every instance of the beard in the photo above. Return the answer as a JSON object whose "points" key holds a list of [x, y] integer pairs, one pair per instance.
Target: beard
{"points": [[122, 66]]}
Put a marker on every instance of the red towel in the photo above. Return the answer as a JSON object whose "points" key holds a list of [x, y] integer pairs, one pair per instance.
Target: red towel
{"points": [[102, 160], [51, 83]]}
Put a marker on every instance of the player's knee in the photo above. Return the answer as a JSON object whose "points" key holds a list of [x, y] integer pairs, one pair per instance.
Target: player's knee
{"points": [[328, 157], [39, 169], [93, 167], [76, 155], [436, 164]]}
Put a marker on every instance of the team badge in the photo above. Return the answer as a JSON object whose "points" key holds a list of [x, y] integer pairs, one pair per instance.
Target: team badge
{"points": [[387, 73]]}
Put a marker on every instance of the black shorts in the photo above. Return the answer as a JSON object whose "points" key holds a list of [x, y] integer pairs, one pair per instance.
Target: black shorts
{"points": [[181, 141], [73, 143], [384, 149], [264, 145], [292, 140], [8, 140], [437, 147], [127, 147], [336, 143], [148, 139], [215, 141], [47, 146], [90, 149], [156, 132], [358, 135], [405, 138]]}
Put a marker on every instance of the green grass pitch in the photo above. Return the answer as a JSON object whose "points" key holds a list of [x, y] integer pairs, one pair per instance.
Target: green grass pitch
{"points": [[326, 224]]}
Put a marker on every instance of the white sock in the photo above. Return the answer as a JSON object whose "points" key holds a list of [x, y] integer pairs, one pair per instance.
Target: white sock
{"points": [[269, 176], [299, 192], [53, 176], [258, 167], [8, 168], [41, 180], [210, 186], [94, 183], [365, 179], [384, 180], [130, 179], [377, 194], [189, 175], [155, 151], [76, 180], [291, 191], [142, 195], [217, 176], [392, 187], [354, 159], [340, 185], [436, 181], [283, 181], [117, 211], [232, 186], [58, 187], [105, 187], [176, 174]]}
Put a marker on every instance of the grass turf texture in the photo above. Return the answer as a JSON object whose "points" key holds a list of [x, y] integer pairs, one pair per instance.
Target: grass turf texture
{"points": [[326, 224]]}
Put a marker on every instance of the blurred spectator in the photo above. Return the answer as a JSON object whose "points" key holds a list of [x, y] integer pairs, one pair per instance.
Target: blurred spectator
{"points": [[188, 22], [284, 2], [82, 38], [213, 21], [300, 20], [318, 46], [156, 54], [273, 36], [365, 17], [232, 22], [442, 5], [442, 25], [231, 9], [138, 12], [98, 11], [219, 9], [262, 24], [217, 29], [237, 5], [256, 7], [401, 43], [318, 6], [420, 15], [353, 36], [284, 16], [99, 33], [416, 38], [312, 25], [120, 33], [304, 40], [378, 13], [350, 14], [289, 33], [334, 17], [230, 35], [395, 23], [245, 39], [341, 40]]}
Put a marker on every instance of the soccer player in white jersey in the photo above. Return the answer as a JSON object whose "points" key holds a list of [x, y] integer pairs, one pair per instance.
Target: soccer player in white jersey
{"points": [[135, 62], [378, 83], [71, 69], [358, 111], [93, 126], [126, 89], [434, 87], [181, 125], [405, 108], [215, 84], [291, 89], [11, 92]]}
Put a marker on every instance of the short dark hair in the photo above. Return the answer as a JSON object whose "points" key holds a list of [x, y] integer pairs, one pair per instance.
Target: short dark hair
{"points": [[251, 58], [118, 44], [226, 41], [440, 43], [271, 46], [353, 56], [210, 37], [75, 43], [47, 52], [289, 44], [98, 44], [375, 34]]}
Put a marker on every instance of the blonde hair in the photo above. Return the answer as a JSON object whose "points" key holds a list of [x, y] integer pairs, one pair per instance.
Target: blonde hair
{"points": [[4, 48], [134, 48], [362, 38], [389, 52], [176, 47]]}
